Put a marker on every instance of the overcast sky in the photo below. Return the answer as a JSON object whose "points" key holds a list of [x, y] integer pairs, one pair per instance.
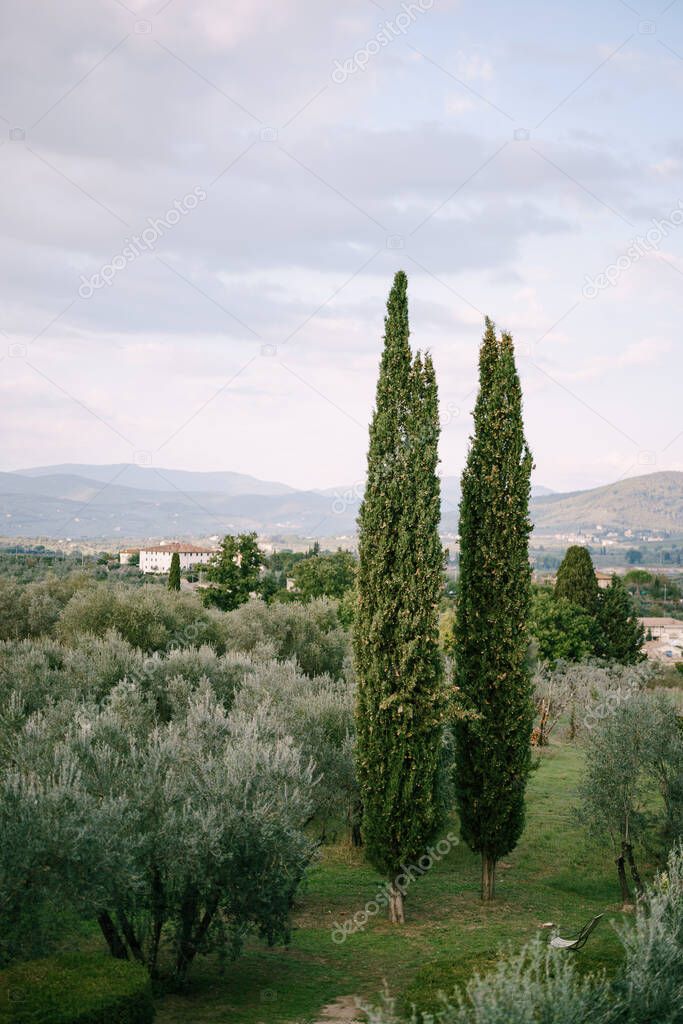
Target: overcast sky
{"points": [[298, 153]]}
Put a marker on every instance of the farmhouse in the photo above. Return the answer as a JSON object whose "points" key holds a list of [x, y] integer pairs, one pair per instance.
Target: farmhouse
{"points": [[158, 559], [663, 638]]}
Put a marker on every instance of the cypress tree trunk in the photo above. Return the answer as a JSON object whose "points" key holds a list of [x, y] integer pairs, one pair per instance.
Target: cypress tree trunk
{"points": [[400, 707], [488, 876], [494, 742]]}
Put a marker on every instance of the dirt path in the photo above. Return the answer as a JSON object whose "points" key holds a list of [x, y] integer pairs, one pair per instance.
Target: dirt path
{"points": [[341, 1011]]}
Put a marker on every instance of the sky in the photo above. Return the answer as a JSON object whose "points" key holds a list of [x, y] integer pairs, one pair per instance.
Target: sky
{"points": [[203, 205]]}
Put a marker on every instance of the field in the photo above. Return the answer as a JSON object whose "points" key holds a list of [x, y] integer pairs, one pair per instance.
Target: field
{"points": [[555, 874]]}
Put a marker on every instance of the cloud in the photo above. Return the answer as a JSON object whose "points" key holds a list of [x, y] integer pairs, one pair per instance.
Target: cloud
{"points": [[316, 193]]}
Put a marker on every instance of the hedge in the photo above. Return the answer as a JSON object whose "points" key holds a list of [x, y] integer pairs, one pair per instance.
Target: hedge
{"points": [[76, 988]]}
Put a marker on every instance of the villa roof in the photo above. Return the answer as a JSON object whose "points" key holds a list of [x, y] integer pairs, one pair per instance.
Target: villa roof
{"points": [[182, 549]]}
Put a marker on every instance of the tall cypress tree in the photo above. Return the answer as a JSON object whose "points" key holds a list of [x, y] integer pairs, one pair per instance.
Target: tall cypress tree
{"points": [[174, 572], [576, 579], [400, 688], [493, 742], [620, 632]]}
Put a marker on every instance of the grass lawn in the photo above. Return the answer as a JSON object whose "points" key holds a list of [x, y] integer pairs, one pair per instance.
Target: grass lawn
{"points": [[553, 875]]}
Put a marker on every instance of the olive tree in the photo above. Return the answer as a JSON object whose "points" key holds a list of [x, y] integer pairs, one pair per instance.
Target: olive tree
{"points": [[148, 617], [585, 691], [311, 633], [639, 743], [318, 713], [180, 836]]}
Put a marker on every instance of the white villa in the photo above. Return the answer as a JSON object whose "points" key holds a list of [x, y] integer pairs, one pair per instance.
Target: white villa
{"points": [[158, 559]]}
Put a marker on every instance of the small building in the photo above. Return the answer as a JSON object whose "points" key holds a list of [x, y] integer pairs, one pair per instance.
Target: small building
{"points": [[663, 638], [127, 554], [158, 559]]}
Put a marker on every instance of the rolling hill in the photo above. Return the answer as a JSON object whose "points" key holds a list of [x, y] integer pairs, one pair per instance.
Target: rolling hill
{"points": [[651, 502], [89, 502]]}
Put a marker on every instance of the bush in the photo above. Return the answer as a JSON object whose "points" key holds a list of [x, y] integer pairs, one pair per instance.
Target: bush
{"points": [[76, 989], [318, 714], [537, 984], [311, 633], [149, 618], [170, 680], [652, 988]]}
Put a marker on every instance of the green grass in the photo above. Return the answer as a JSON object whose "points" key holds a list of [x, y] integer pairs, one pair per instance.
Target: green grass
{"points": [[553, 875], [76, 988]]}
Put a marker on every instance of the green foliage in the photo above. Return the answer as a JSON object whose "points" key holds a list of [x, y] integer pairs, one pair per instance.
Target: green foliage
{"points": [[400, 691], [563, 631], [620, 635], [192, 827], [652, 985], [491, 640], [311, 633], [318, 714], [76, 988], [150, 618], [579, 621], [33, 609], [635, 748], [576, 580], [325, 575], [538, 984], [234, 573], [637, 577], [174, 573]]}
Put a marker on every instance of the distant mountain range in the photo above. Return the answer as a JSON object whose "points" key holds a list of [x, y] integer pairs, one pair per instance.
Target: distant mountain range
{"points": [[89, 502]]}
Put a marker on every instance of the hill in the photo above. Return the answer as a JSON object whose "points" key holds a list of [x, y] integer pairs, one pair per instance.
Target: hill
{"points": [[651, 502], [152, 479], [89, 502]]}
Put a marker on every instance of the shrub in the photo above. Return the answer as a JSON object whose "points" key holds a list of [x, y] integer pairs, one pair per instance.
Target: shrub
{"points": [[318, 713], [536, 984], [652, 988], [311, 633], [150, 618], [76, 989], [171, 679]]}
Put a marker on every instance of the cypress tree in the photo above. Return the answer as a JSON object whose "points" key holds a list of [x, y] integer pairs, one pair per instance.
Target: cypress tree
{"points": [[620, 633], [493, 742], [576, 580], [400, 705], [174, 572]]}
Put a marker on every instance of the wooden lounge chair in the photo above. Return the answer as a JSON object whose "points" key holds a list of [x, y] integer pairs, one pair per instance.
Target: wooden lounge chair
{"points": [[577, 941]]}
